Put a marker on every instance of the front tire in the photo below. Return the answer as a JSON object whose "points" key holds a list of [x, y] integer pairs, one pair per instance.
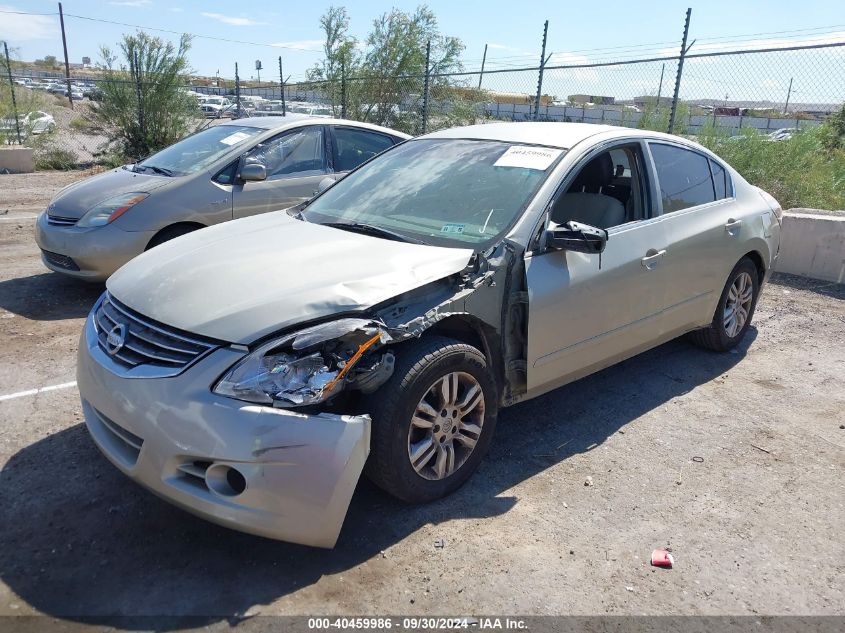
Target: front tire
{"points": [[432, 421], [169, 233], [734, 311]]}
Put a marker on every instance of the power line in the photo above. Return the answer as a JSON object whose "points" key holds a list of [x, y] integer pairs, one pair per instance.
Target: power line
{"points": [[25, 12], [196, 35]]}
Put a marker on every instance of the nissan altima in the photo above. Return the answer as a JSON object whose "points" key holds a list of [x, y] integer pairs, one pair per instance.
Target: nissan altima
{"points": [[250, 372]]}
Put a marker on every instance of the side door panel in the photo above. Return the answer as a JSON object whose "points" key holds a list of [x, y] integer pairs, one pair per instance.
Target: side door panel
{"points": [[582, 317], [703, 251]]}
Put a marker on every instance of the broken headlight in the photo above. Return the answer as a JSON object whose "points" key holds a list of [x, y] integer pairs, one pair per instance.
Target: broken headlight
{"points": [[310, 366]]}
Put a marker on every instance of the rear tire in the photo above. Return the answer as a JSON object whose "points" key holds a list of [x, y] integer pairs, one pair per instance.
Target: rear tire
{"points": [[432, 420], [734, 310]]}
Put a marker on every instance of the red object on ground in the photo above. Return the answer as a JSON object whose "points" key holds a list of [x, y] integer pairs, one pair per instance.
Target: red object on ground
{"points": [[662, 558]]}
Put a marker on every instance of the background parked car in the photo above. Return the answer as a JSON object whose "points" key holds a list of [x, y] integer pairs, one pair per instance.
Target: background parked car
{"points": [[211, 110], [783, 134], [232, 170], [36, 122], [311, 109]]}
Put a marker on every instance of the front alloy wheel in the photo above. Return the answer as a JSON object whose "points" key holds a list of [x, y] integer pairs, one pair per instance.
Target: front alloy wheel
{"points": [[432, 420], [446, 425]]}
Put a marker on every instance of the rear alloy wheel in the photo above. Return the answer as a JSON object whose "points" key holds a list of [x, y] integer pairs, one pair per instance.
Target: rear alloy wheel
{"points": [[734, 311], [738, 304], [432, 420]]}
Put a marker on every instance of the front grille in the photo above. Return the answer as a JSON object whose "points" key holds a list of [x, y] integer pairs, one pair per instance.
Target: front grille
{"points": [[146, 342], [58, 220], [61, 261]]}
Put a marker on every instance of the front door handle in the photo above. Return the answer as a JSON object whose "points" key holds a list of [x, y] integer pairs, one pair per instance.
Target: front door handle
{"points": [[652, 258], [731, 225]]}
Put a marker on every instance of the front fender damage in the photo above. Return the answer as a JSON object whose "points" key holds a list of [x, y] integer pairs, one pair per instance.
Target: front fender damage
{"points": [[490, 294]]}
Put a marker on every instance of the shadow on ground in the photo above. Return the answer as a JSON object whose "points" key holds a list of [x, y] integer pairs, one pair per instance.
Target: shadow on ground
{"points": [[80, 541], [48, 297], [820, 286]]}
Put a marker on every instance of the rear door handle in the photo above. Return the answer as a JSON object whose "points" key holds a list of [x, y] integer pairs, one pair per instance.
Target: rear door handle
{"points": [[651, 260], [732, 224]]}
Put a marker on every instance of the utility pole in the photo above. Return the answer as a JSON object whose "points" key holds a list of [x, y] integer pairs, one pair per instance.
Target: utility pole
{"points": [[785, 105], [684, 50], [425, 86], [12, 88], [660, 88], [67, 64], [483, 61], [540, 76], [282, 84]]}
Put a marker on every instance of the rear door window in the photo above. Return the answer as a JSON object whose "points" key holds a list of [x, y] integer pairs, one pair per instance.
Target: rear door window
{"points": [[684, 177], [352, 147], [720, 181]]}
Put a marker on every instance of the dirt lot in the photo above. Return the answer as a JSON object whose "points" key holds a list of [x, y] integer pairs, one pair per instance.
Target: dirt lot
{"points": [[734, 461]]}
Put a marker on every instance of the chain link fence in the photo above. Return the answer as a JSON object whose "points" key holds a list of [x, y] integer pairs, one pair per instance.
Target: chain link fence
{"points": [[730, 92]]}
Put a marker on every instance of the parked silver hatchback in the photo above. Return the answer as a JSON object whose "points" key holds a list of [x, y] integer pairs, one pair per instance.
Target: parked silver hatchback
{"points": [[249, 371], [233, 170]]}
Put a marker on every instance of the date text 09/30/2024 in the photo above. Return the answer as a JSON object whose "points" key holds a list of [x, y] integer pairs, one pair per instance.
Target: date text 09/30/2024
{"points": [[415, 623]]}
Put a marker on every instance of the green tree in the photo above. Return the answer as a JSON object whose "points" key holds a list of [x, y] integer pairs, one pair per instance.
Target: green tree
{"points": [[49, 62], [385, 79], [340, 49], [143, 106], [340, 55]]}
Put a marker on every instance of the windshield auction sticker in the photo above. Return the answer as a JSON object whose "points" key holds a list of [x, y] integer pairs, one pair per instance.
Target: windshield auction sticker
{"points": [[528, 157], [237, 137]]}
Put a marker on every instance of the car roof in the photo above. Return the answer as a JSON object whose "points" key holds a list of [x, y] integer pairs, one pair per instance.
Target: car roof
{"points": [[273, 122], [552, 134]]}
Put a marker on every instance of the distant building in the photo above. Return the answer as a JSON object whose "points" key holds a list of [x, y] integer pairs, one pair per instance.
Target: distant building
{"points": [[645, 101], [518, 98], [598, 100]]}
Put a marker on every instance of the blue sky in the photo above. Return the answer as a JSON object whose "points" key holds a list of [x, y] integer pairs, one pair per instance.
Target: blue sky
{"points": [[511, 29]]}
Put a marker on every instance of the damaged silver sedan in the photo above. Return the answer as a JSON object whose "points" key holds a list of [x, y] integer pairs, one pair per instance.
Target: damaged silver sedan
{"points": [[250, 372]]}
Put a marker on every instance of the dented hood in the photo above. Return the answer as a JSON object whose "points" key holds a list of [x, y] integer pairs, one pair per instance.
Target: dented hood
{"points": [[242, 280]]}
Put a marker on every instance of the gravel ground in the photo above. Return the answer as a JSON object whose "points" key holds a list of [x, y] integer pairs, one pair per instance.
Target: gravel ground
{"points": [[733, 461], [31, 192]]}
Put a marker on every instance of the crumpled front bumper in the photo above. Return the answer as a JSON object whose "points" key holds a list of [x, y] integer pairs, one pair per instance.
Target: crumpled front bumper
{"points": [[297, 472]]}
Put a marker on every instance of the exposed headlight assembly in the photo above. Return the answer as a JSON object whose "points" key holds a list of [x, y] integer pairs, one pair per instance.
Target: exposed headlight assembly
{"points": [[109, 210], [312, 365]]}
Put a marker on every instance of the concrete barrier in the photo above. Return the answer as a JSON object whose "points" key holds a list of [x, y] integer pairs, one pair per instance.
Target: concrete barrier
{"points": [[16, 160], [813, 245]]}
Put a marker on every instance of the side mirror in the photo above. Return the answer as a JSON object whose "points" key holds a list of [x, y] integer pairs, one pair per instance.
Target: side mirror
{"points": [[324, 184], [253, 172], [577, 237]]}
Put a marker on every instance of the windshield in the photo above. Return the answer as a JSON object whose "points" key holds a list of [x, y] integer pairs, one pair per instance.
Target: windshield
{"points": [[445, 192], [200, 150]]}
